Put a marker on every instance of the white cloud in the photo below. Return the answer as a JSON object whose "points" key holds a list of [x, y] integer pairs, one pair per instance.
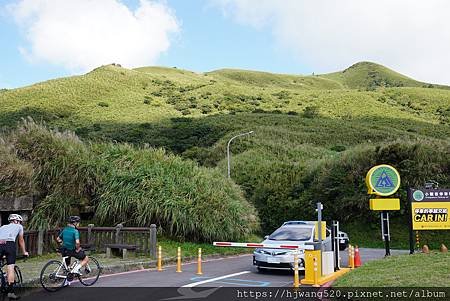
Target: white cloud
{"points": [[410, 36], [82, 34]]}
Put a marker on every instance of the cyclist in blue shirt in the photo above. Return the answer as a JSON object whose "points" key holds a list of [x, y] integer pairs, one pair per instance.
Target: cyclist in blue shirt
{"points": [[70, 239]]}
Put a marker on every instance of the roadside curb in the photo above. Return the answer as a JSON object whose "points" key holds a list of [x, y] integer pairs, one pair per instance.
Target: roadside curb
{"points": [[139, 265]]}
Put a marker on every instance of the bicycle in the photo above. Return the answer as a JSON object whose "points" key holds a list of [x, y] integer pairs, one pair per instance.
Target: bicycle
{"points": [[55, 273], [18, 280]]}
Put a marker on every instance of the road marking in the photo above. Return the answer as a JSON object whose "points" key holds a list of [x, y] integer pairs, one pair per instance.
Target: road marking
{"points": [[215, 279], [237, 281]]}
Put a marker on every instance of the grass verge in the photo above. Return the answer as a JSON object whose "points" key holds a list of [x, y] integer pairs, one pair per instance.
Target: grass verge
{"points": [[418, 270]]}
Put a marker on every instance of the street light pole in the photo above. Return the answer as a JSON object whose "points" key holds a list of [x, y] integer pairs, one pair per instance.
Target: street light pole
{"points": [[228, 149]]}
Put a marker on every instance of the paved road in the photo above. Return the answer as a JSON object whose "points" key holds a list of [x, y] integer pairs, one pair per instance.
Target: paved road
{"points": [[235, 271], [238, 271]]}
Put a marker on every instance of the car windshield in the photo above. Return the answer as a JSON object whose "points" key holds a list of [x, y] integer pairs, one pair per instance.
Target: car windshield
{"points": [[291, 233]]}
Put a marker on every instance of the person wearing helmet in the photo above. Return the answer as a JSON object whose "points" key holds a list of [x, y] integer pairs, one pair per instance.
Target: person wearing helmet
{"points": [[8, 235], [70, 240]]}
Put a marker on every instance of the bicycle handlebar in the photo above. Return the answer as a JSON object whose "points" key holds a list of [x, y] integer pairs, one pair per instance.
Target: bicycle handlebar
{"points": [[21, 257]]}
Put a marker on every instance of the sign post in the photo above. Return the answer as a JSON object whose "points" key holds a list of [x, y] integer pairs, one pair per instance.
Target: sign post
{"points": [[335, 245], [319, 224], [385, 231], [383, 180]]}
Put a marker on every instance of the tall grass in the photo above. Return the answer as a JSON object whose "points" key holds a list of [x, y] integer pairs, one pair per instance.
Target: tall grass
{"points": [[130, 185], [16, 175]]}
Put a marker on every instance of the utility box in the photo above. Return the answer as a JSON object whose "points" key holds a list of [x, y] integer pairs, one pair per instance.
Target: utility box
{"points": [[309, 266], [327, 263]]}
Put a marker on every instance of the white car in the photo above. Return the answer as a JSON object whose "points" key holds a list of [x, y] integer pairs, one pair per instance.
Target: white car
{"points": [[290, 233]]}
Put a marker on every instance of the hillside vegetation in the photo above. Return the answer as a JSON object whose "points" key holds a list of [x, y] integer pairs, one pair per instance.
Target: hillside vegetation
{"points": [[124, 184], [111, 94], [314, 137]]}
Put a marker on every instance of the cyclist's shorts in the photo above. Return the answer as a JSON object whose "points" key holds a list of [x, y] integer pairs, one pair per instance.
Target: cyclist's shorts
{"points": [[72, 253], [8, 249]]}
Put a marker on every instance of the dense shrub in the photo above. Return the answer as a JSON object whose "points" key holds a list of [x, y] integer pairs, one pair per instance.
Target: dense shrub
{"points": [[147, 100], [338, 182], [311, 112], [103, 104], [130, 185], [290, 192], [283, 187]]}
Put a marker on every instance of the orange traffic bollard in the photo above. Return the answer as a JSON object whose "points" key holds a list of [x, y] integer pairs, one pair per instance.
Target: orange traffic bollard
{"points": [[316, 273], [351, 257], [199, 262], [357, 257], [159, 268], [179, 260], [443, 248], [296, 277], [425, 249]]}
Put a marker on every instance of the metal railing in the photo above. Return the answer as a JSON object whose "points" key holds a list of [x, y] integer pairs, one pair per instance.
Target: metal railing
{"points": [[40, 242]]}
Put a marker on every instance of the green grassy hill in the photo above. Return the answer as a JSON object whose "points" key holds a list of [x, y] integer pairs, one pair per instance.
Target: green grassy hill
{"points": [[115, 94], [368, 75], [302, 124]]}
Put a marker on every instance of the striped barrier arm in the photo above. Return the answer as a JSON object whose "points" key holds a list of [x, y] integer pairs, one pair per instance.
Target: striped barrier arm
{"points": [[259, 245]]}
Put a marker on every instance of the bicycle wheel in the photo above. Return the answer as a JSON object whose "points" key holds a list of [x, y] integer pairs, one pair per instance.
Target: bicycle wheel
{"points": [[89, 275], [3, 283], [53, 275], [18, 280]]}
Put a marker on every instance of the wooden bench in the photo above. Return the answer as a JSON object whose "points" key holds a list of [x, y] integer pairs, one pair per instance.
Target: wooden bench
{"points": [[121, 247]]}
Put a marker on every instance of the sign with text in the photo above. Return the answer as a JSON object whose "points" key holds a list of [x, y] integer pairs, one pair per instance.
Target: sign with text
{"points": [[430, 209]]}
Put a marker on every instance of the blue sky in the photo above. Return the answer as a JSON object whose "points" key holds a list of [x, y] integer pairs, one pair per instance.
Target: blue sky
{"points": [[207, 40], [41, 42]]}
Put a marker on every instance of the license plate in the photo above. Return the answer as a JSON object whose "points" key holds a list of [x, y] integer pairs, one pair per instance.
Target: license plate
{"points": [[273, 260], [342, 241]]}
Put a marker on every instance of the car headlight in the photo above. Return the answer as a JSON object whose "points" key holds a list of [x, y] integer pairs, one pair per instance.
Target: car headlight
{"points": [[259, 251]]}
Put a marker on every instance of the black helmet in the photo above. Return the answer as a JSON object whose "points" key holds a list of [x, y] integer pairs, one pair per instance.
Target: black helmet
{"points": [[74, 219]]}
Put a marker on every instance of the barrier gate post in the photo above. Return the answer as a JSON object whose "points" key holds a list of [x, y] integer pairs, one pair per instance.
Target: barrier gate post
{"points": [[335, 245]]}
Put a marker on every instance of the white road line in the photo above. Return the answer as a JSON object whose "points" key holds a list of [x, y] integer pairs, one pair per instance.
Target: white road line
{"points": [[171, 266], [215, 279]]}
